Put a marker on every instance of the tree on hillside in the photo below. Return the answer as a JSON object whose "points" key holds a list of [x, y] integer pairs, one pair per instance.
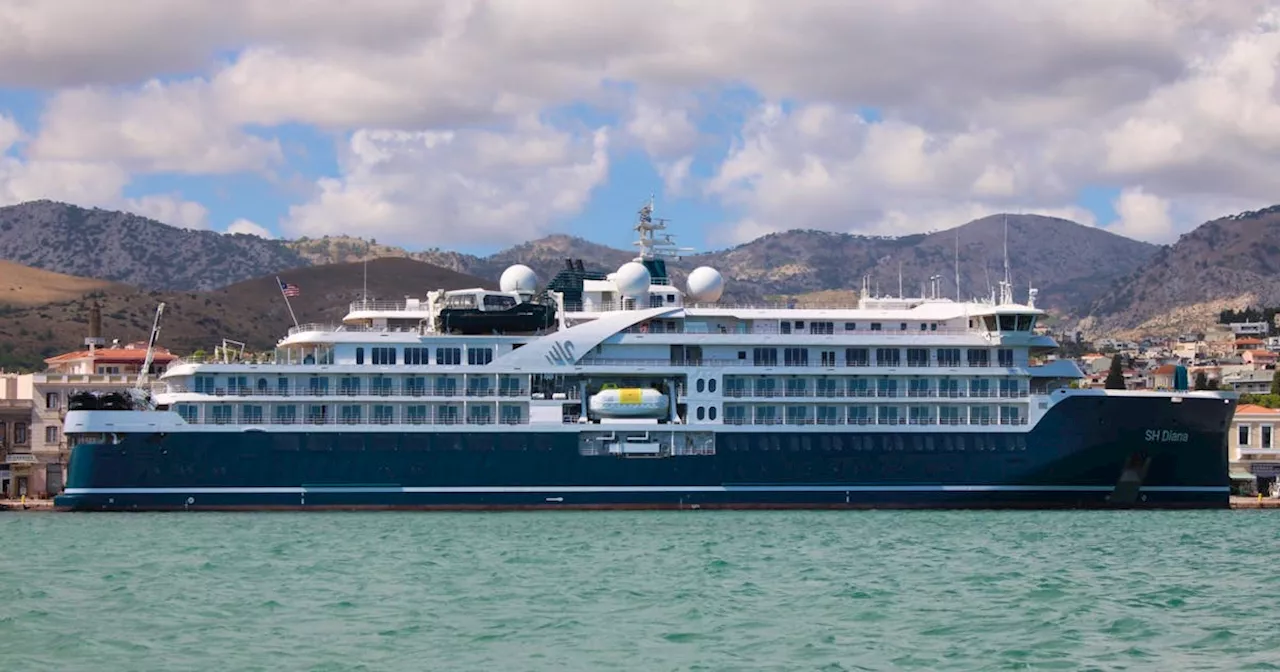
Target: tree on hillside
{"points": [[1275, 382], [1202, 381], [1115, 377]]}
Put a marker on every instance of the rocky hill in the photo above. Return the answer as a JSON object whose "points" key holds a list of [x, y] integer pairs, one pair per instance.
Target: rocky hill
{"points": [[252, 312], [1073, 265], [134, 250], [1231, 262]]}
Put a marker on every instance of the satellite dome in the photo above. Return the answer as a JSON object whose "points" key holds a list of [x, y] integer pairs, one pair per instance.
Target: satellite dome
{"points": [[519, 278], [632, 279], [705, 285]]}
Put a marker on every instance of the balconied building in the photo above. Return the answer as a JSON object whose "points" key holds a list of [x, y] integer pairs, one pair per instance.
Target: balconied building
{"points": [[44, 397], [1254, 449], [16, 460]]}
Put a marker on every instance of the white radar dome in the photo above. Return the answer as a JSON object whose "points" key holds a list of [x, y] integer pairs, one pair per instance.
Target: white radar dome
{"points": [[632, 279], [705, 285], [519, 278]]}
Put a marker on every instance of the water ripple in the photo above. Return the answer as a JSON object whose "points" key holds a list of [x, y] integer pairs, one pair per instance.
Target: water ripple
{"points": [[652, 591]]}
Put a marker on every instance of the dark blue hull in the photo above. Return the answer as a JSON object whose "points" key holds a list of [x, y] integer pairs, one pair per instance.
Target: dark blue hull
{"points": [[1087, 452]]}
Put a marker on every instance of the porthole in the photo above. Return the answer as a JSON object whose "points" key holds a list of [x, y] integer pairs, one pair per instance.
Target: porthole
{"points": [[701, 384], [711, 386], [702, 413], [711, 412]]}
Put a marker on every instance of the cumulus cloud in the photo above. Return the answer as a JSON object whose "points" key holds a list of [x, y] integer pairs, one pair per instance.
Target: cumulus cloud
{"points": [[249, 227], [429, 188], [170, 209], [980, 108], [10, 133]]}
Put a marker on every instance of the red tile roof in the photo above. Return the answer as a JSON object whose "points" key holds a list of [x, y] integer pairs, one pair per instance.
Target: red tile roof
{"points": [[1166, 370], [1248, 341], [1254, 408]]}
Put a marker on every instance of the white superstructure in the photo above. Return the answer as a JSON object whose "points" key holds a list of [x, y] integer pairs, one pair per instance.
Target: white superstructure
{"points": [[687, 360]]}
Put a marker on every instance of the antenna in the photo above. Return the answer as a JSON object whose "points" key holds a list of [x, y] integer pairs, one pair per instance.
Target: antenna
{"points": [[651, 247], [900, 280], [957, 264], [1006, 287]]}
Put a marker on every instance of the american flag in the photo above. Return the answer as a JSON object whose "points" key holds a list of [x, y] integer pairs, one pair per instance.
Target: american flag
{"points": [[289, 290]]}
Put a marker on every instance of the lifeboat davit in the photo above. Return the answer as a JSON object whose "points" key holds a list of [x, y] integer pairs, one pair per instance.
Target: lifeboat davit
{"points": [[629, 402]]}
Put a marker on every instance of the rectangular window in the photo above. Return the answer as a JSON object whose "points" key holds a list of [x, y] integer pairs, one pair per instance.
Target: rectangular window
{"points": [[980, 387], [766, 387], [204, 385], [875, 326], [764, 356], [1005, 357], [51, 434], [416, 414], [796, 387], [188, 412], [511, 414], [860, 387], [480, 415], [888, 357], [850, 326], [349, 386], [415, 386], [446, 386], [827, 387], [318, 414], [286, 415], [796, 356], [350, 414], [251, 414], [509, 386], [1266, 436], [797, 415], [479, 386], [886, 387], [1009, 415], [318, 386], [829, 415], [917, 357], [824, 328], [735, 387], [380, 386], [222, 414], [282, 386], [857, 357], [448, 356], [384, 414], [417, 356], [359, 355], [979, 357], [888, 415], [918, 387], [1242, 433], [51, 400], [828, 357], [949, 357], [383, 356], [479, 356]]}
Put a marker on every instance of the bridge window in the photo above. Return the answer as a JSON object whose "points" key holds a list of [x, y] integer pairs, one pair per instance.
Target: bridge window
{"points": [[448, 356], [359, 355], [479, 356], [417, 356], [383, 356]]}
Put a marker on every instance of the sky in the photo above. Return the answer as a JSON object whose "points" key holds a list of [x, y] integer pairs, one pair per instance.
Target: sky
{"points": [[477, 124]]}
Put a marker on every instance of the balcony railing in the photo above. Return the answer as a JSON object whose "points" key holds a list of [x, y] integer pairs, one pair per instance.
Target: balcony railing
{"points": [[383, 391], [382, 420], [876, 394], [876, 421]]}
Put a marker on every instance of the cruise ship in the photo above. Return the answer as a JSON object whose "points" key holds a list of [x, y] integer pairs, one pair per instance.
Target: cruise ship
{"points": [[620, 389]]}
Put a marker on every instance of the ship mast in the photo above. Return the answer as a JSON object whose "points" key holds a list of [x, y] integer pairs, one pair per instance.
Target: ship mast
{"points": [[651, 246]]}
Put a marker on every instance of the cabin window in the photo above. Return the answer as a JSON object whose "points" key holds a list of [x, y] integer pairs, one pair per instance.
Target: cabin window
{"points": [[711, 385], [888, 357], [797, 387], [417, 356], [875, 326], [797, 415], [318, 414], [857, 357], [765, 356], [204, 384], [350, 414], [383, 356], [786, 327], [222, 414], [511, 414], [1004, 356], [479, 356], [480, 415], [448, 356], [828, 357], [933, 326], [282, 386], [799, 325], [796, 356], [349, 386], [416, 414], [499, 302], [902, 326], [711, 413], [918, 356], [671, 298], [415, 386], [188, 412], [286, 415], [979, 357], [384, 414], [380, 385], [318, 386], [702, 384], [850, 326], [923, 326], [655, 301], [251, 414], [822, 328], [949, 357], [702, 413], [359, 355]]}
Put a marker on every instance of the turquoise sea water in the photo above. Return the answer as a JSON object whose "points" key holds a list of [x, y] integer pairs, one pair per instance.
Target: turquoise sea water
{"points": [[697, 590]]}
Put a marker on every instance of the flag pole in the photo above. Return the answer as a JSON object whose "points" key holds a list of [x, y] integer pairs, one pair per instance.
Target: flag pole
{"points": [[280, 286]]}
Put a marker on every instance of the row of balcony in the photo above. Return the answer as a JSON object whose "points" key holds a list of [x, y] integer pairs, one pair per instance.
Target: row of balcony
{"points": [[381, 420], [876, 421], [381, 391], [878, 394]]}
